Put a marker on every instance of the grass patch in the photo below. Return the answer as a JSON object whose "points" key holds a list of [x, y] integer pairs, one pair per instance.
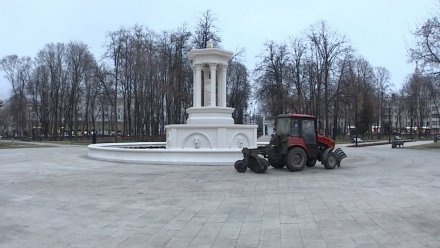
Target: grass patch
{"points": [[426, 146], [68, 142], [15, 145]]}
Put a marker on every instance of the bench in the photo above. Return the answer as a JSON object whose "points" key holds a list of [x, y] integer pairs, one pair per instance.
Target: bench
{"points": [[397, 142]]}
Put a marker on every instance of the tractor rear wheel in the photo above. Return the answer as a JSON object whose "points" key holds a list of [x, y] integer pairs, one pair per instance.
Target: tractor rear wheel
{"points": [[329, 159], [296, 159], [276, 163], [240, 166]]}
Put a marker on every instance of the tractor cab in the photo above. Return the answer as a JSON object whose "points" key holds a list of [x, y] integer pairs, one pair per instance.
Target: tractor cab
{"points": [[301, 131]]}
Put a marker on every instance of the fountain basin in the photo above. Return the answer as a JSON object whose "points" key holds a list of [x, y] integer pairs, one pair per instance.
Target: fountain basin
{"points": [[151, 153]]}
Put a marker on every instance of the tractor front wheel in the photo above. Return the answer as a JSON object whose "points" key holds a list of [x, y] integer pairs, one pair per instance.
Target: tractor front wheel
{"points": [[296, 159], [329, 159]]}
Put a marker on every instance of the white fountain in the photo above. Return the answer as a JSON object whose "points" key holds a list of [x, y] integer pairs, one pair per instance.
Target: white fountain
{"points": [[209, 137]]}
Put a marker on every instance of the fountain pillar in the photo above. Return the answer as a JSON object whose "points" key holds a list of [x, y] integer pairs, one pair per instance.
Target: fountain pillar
{"points": [[213, 68], [197, 91], [222, 87]]}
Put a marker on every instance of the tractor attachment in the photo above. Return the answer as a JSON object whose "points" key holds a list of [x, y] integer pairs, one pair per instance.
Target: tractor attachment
{"points": [[251, 159], [340, 155], [332, 158]]}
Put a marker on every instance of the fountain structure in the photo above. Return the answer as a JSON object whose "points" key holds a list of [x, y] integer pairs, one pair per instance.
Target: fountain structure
{"points": [[209, 137]]}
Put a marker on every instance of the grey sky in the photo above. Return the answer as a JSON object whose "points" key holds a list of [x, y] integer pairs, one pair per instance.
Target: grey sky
{"points": [[380, 30]]}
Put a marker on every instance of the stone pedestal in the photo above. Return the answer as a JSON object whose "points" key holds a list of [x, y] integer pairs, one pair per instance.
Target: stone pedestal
{"points": [[210, 115], [197, 136]]}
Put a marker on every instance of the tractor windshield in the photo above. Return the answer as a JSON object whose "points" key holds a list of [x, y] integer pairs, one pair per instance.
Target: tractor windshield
{"points": [[308, 131], [288, 126], [283, 126]]}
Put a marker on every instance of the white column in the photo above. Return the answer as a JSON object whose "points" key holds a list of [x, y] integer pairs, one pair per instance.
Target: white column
{"points": [[197, 101], [207, 88], [213, 68], [223, 85], [194, 85], [220, 86]]}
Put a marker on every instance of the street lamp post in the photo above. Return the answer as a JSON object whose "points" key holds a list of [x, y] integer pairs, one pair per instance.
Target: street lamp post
{"points": [[391, 123]]}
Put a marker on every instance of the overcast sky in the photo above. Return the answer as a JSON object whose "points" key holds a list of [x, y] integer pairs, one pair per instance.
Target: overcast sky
{"points": [[380, 30]]}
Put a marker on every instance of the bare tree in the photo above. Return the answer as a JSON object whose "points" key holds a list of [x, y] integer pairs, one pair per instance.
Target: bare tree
{"points": [[80, 64], [4, 118], [105, 93], [417, 93], [427, 47], [328, 46], [181, 74], [206, 30], [426, 53], [342, 74], [298, 51], [17, 71], [365, 75], [382, 84], [154, 78], [271, 78], [114, 52], [52, 88], [238, 89]]}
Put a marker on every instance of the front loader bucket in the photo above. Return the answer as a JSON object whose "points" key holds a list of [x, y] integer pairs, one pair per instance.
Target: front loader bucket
{"points": [[340, 155]]}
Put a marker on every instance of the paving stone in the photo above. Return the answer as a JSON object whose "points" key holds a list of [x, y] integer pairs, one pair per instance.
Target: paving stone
{"points": [[224, 243], [57, 197], [291, 236], [249, 235]]}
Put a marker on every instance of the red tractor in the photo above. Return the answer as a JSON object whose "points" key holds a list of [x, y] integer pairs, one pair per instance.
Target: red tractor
{"points": [[295, 145]]}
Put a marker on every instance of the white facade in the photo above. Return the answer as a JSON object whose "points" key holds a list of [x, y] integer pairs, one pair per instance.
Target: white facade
{"points": [[268, 127]]}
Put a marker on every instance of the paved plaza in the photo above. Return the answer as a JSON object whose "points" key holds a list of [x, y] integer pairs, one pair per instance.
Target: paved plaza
{"points": [[58, 197]]}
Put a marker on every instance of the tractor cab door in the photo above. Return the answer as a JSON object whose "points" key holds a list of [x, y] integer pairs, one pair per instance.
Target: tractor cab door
{"points": [[308, 132]]}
